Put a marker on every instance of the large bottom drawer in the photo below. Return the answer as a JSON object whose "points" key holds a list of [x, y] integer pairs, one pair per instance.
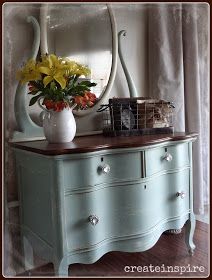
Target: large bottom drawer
{"points": [[124, 210]]}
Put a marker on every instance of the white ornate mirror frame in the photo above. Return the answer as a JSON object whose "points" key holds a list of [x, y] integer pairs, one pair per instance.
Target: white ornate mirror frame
{"points": [[27, 130], [44, 50]]}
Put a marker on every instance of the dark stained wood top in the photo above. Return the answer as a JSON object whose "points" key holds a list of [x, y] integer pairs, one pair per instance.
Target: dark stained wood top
{"points": [[93, 143]]}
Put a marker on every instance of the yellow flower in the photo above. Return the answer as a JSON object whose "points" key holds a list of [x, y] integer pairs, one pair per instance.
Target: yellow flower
{"points": [[82, 70], [29, 72], [54, 68], [74, 68]]}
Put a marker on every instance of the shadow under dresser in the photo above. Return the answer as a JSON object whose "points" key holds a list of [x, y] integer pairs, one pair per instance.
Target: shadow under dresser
{"points": [[97, 194]]}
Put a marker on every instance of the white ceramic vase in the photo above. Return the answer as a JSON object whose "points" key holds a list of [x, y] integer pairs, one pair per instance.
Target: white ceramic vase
{"points": [[59, 127]]}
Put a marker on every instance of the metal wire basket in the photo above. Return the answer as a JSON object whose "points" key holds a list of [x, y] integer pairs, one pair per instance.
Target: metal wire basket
{"points": [[137, 116]]}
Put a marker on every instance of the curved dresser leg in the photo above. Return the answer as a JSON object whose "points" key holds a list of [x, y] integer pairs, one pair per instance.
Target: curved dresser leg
{"points": [[189, 233], [61, 268], [28, 256]]}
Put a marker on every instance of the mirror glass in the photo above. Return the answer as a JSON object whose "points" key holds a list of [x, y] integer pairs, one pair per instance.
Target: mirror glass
{"points": [[82, 32]]}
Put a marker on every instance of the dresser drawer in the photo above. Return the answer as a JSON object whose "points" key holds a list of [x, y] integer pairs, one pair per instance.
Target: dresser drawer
{"points": [[166, 158], [83, 172], [124, 211]]}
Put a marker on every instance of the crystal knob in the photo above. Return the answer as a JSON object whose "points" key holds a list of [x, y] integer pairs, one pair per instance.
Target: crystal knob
{"points": [[168, 157], [93, 219], [105, 168], [181, 194]]}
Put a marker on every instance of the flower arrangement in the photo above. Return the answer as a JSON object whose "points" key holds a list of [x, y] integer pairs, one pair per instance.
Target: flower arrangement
{"points": [[56, 79]]}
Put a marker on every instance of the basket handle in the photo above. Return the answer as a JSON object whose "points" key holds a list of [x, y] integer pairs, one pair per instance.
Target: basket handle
{"points": [[103, 107]]}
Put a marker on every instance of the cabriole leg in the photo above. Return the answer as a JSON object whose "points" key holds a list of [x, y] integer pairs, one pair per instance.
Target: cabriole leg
{"points": [[61, 268], [28, 260], [189, 234]]}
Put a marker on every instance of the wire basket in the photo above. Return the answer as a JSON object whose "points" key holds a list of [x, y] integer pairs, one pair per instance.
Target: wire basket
{"points": [[137, 116]]}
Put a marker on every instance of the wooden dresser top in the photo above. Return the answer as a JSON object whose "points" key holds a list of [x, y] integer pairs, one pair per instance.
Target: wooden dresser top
{"points": [[93, 143]]}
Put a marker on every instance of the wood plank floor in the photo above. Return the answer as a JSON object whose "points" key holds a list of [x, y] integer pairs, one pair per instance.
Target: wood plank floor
{"points": [[170, 250]]}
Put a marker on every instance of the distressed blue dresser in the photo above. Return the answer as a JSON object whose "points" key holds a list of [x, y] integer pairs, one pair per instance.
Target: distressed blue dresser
{"points": [[97, 194]]}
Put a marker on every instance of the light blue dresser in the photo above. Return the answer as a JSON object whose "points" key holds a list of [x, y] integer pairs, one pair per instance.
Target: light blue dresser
{"points": [[97, 194]]}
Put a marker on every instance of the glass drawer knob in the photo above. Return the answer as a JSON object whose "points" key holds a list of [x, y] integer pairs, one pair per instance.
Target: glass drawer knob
{"points": [[168, 157], [181, 194], [105, 168], [93, 219]]}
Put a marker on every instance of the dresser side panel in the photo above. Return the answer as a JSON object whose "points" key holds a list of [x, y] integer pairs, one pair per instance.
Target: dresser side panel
{"points": [[34, 175]]}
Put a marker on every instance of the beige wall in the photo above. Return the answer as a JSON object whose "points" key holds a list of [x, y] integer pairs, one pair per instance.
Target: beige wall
{"points": [[17, 42], [133, 19]]}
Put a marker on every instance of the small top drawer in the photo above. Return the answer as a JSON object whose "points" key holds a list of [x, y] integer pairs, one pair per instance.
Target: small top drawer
{"points": [[166, 158], [83, 172]]}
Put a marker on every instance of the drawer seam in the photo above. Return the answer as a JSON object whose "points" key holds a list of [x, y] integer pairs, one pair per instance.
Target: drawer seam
{"points": [[90, 188]]}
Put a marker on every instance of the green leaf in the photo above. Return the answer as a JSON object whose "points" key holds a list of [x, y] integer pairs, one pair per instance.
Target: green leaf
{"points": [[34, 99], [53, 86], [88, 84], [35, 92], [81, 88], [38, 84], [71, 82], [75, 79]]}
